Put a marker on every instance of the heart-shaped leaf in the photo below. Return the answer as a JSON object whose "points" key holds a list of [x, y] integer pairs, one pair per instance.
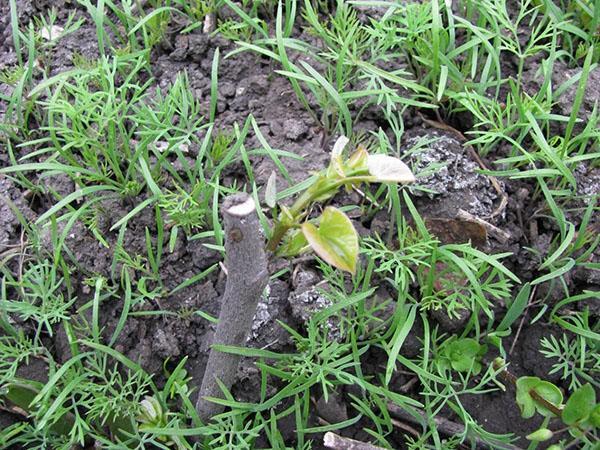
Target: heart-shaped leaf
{"points": [[551, 393], [336, 240], [387, 169], [524, 400], [546, 390]]}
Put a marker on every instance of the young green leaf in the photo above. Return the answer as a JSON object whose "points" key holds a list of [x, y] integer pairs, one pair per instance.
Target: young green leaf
{"points": [[398, 339], [336, 240], [595, 416], [580, 405], [293, 244], [551, 393], [21, 393], [546, 390], [151, 412], [387, 169], [464, 354], [524, 400], [516, 308], [543, 434]]}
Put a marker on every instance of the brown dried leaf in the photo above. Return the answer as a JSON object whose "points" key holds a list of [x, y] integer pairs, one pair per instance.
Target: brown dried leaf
{"points": [[457, 231]]}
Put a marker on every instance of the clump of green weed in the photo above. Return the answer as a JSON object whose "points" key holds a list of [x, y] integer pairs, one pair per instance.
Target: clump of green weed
{"points": [[220, 145], [186, 209], [12, 75]]}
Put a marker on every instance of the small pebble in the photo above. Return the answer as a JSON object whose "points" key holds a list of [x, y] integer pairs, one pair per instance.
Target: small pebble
{"points": [[294, 129]]}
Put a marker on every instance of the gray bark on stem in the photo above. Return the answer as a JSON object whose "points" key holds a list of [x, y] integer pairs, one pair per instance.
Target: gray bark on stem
{"points": [[247, 277]]}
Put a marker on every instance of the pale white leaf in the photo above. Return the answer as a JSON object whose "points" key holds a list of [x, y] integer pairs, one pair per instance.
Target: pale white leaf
{"points": [[387, 169], [339, 146], [271, 190]]}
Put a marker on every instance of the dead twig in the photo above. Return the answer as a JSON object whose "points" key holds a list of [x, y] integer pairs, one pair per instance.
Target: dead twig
{"points": [[444, 426], [408, 385], [15, 410], [405, 427], [492, 230], [337, 442]]}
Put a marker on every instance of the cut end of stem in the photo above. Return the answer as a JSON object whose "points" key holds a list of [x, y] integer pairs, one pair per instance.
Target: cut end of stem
{"points": [[242, 209]]}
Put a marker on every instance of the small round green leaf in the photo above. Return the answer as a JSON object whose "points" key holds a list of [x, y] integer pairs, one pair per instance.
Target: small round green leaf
{"points": [[464, 355], [387, 169], [524, 400], [580, 405], [336, 240], [545, 389], [551, 393], [543, 434]]}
